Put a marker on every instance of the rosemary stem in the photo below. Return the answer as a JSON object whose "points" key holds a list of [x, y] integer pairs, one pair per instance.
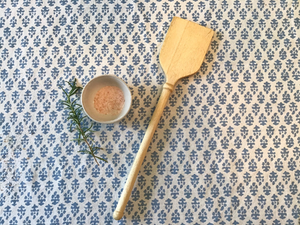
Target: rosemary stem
{"points": [[88, 144], [75, 115], [82, 133]]}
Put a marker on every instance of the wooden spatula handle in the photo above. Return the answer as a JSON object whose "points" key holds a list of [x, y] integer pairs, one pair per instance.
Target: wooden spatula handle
{"points": [[167, 89]]}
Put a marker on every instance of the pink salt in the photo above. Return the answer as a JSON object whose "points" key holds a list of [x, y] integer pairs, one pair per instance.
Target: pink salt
{"points": [[109, 100]]}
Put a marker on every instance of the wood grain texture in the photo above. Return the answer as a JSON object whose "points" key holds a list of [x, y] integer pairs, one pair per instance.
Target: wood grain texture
{"points": [[184, 49], [182, 54], [118, 214]]}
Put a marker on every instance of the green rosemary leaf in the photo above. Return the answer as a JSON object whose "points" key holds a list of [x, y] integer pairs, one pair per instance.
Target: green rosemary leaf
{"points": [[73, 102], [87, 130], [64, 103], [70, 117], [83, 117], [73, 91], [78, 105], [101, 158], [84, 151], [78, 110], [78, 139], [71, 85], [89, 136]]}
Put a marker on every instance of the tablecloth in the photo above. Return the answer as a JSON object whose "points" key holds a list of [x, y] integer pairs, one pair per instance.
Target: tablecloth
{"points": [[226, 150]]}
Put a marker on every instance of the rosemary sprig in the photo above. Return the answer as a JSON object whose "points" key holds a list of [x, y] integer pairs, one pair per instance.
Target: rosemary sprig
{"points": [[75, 117]]}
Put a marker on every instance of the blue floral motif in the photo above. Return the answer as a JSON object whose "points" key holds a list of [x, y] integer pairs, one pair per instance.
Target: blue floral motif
{"points": [[225, 150]]}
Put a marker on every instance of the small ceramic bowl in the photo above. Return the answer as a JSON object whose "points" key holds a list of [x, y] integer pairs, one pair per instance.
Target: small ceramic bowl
{"points": [[90, 90]]}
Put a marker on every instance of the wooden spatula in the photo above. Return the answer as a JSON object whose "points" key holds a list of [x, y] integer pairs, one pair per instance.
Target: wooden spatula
{"points": [[181, 55]]}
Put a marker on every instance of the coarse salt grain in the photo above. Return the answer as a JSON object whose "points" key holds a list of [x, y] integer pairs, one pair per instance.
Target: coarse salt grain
{"points": [[109, 100]]}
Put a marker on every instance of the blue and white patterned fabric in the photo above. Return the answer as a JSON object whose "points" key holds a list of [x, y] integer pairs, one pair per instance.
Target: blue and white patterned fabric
{"points": [[226, 150]]}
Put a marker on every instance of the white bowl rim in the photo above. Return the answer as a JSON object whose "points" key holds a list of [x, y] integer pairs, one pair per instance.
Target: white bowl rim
{"points": [[118, 118]]}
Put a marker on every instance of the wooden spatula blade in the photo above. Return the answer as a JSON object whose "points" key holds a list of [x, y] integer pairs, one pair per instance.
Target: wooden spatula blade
{"points": [[184, 49]]}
